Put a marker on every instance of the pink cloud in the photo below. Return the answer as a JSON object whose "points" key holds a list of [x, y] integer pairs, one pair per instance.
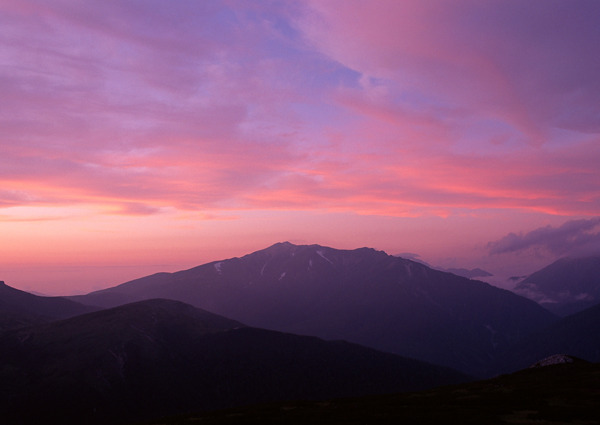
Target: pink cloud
{"points": [[520, 62], [400, 108], [192, 123]]}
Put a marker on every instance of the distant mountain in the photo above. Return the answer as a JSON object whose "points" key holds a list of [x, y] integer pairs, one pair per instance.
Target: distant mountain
{"points": [[363, 296], [469, 273], [19, 308], [566, 286], [160, 357], [577, 335], [559, 394]]}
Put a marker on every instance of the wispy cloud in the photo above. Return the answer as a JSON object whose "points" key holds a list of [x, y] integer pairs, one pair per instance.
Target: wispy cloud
{"points": [[402, 108]]}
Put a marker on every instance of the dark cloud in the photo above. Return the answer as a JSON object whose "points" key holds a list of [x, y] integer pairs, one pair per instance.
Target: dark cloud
{"points": [[576, 237]]}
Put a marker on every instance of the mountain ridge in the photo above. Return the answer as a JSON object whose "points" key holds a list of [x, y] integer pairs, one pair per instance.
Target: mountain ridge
{"points": [[363, 296], [19, 308]]}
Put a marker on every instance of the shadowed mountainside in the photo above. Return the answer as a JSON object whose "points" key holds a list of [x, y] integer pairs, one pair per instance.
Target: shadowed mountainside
{"points": [[577, 335], [363, 296], [162, 357]]}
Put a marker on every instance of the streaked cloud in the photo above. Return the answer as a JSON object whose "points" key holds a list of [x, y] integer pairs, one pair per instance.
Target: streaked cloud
{"points": [[387, 107]]}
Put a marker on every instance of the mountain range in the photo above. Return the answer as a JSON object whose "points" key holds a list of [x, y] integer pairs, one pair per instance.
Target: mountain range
{"points": [[362, 296], [292, 322], [159, 357]]}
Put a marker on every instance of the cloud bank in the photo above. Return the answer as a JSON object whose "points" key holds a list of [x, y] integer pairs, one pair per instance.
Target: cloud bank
{"points": [[573, 238]]}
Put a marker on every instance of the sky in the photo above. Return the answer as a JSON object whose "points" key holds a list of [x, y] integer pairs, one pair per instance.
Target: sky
{"points": [[139, 136]]}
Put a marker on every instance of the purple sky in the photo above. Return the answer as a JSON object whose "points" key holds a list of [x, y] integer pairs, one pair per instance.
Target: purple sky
{"points": [[143, 136]]}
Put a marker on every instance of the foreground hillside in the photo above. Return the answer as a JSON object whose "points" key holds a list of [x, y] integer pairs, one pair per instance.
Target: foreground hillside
{"points": [[551, 395], [159, 357], [363, 296]]}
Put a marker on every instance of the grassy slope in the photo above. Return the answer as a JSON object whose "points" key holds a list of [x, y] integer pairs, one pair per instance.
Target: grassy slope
{"points": [[561, 394]]}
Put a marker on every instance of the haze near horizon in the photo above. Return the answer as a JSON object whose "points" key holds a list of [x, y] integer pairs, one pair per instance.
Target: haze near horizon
{"points": [[145, 136]]}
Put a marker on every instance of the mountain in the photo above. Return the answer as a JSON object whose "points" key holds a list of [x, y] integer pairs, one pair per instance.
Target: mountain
{"points": [[469, 273], [576, 335], [566, 286], [20, 308], [559, 394], [161, 357], [363, 296]]}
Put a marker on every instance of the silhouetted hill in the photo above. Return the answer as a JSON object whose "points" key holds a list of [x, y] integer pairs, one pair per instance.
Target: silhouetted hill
{"points": [[20, 308], [577, 335], [160, 357], [566, 286], [559, 394], [363, 296]]}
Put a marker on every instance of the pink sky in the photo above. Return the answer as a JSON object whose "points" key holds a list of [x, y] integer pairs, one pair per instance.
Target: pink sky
{"points": [[145, 136]]}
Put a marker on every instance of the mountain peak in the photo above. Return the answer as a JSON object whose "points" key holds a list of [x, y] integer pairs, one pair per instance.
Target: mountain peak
{"points": [[360, 295], [282, 244]]}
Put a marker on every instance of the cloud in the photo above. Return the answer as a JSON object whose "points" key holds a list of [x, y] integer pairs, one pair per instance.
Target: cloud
{"points": [[576, 237], [388, 108], [464, 54]]}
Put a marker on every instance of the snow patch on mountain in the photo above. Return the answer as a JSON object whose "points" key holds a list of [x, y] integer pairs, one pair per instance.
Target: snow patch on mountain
{"points": [[282, 276], [218, 267], [323, 256]]}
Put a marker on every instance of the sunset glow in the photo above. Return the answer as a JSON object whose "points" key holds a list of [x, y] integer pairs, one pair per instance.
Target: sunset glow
{"points": [[145, 136]]}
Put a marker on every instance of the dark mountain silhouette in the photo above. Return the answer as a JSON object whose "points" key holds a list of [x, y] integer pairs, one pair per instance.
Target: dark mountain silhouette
{"points": [[363, 296], [20, 308], [159, 357], [468, 273], [577, 335], [558, 394], [566, 286]]}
